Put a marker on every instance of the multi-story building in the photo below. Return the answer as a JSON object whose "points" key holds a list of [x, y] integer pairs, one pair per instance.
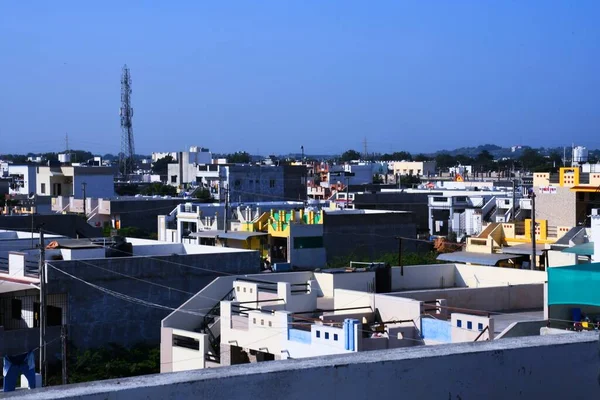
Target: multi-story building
{"points": [[23, 179], [68, 180], [417, 168], [308, 314]]}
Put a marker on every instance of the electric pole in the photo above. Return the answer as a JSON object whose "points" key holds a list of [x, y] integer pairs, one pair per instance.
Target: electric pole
{"points": [[42, 316], [226, 193], [514, 198], [400, 255], [533, 250], [83, 185], [63, 337]]}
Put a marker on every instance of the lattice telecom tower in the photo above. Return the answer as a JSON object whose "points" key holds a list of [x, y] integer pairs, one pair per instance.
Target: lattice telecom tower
{"points": [[126, 156]]}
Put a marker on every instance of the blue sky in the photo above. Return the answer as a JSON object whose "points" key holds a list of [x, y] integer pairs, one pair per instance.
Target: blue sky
{"points": [[270, 76]]}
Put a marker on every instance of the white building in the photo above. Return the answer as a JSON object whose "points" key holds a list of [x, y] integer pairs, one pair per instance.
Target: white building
{"points": [[417, 168], [302, 314], [69, 181], [351, 174], [23, 179]]}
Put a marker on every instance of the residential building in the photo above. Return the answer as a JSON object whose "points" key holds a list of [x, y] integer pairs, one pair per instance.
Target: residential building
{"points": [[109, 290], [303, 237], [246, 183], [416, 168], [307, 314], [571, 191], [70, 180], [119, 212], [23, 179]]}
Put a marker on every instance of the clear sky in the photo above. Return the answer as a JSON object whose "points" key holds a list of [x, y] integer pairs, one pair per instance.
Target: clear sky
{"points": [[270, 76]]}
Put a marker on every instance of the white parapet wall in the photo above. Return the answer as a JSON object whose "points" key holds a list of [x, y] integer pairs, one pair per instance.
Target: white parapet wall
{"points": [[542, 367]]}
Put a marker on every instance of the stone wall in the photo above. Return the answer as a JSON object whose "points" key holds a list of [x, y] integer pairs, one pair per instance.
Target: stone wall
{"points": [[548, 204], [96, 318]]}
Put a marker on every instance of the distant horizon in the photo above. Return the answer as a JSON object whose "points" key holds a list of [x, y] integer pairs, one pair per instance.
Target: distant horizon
{"points": [[272, 76], [307, 153]]}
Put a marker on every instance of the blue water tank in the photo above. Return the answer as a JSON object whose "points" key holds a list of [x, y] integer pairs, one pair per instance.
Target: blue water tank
{"points": [[282, 267]]}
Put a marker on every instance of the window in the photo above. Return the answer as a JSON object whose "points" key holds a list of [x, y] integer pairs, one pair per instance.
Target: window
{"points": [[309, 242], [272, 183], [327, 335], [244, 290], [335, 337], [43, 188], [270, 324], [459, 323], [318, 333], [262, 322], [254, 321], [469, 325], [173, 178], [186, 342], [238, 288], [480, 327], [16, 305]]}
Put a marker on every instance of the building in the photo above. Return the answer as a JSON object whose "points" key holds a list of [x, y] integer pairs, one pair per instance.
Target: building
{"points": [[571, 191], [119, 212], [290, 233], [109, 290], [23, 179], [416, 168], [71, 180], [245, 183], [307, 314]]}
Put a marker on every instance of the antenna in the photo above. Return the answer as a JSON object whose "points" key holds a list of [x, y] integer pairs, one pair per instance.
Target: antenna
{"points": [[126, 156], [67, 143]]}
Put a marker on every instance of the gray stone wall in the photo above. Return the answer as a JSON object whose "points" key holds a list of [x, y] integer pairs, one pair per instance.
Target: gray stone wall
{"points": [[558, 208], [97, 318]]}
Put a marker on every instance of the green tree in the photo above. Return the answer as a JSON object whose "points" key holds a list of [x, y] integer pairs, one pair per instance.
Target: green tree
{"points": [[127, 190], [484, 161], [239, 157], [531, 159], [444, 161], [161, 166], [159, 189], [377, 179], [421, 157], [203, 196], [350, 155]]}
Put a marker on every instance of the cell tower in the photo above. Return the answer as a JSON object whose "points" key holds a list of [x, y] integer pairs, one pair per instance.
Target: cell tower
{"points": [[126, 157]]}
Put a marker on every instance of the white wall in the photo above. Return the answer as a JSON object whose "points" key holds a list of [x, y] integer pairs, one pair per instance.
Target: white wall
{"points": [[480, 276], [390, 307], [464, 333], [557, 258], [83, 254], [185, 359], [595, 225], [423, 277], [327, 282]]}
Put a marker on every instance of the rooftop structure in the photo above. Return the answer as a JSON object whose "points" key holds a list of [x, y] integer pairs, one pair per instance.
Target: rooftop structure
{"points": [[304, 314]]}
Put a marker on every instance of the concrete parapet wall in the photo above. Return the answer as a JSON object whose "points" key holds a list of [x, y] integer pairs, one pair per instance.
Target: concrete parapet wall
{"points": [[553, 367]]}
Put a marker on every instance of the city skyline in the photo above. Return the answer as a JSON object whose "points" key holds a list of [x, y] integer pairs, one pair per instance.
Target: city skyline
{"points": [[268, 78]]}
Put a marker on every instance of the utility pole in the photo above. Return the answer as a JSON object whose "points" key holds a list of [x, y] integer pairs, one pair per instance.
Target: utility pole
{"points": [[514, 199], [63, 337], [42, 272], [83, 185], [226, 192], [400, 255], [533, 250], [347, 189]]}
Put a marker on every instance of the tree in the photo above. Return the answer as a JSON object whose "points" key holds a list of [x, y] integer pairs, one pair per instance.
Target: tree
{"points": [[484, 161], [396, 156], [421, 157], [161, 166], [350, 155], [531, 159], [445, 161], [377, 179], [239, 157], [127, 190], [203, 195], [159, 189], [409, 180]]}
